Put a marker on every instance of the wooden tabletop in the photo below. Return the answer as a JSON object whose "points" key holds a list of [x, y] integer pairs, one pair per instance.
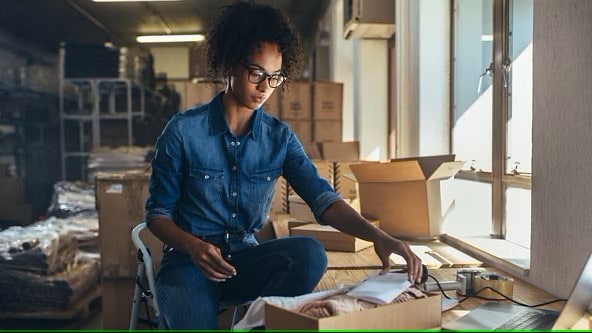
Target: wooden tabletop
{"points": [[522, 291], [434, 254]]}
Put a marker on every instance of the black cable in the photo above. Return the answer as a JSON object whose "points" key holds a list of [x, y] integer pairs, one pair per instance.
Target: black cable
{"points": [[439, 286], [476, 295]]}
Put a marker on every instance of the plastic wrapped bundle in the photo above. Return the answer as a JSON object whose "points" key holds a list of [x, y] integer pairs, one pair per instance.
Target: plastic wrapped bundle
{"points": [[37, 248], [72, 199]]}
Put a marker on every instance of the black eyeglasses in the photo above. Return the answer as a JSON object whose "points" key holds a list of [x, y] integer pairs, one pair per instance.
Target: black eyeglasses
{"points": [[257, 75]]}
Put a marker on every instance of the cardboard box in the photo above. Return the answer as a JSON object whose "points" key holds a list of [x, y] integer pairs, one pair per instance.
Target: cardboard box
{"points": [[302, 128], [296, 101], [327, 100], [120, 206], [293, 223], [419, 314], [345, 182], [325, 170], [331, 238], [299, 209], [312, 150], [327, 130], [279, 202], [266, 232], [117, 304], [347, 186], [12, 191], [405, 193], [272, 105], [340, 151], [200, 93]]}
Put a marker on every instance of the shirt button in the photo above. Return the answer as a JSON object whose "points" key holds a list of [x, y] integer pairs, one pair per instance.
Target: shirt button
{"points": [[232, 143], [233, 214], [234, 167], [234, 194], [207, 176], [268, 178], [238, 143]]}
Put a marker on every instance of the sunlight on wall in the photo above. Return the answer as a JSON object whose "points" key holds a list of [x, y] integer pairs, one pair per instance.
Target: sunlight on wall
{"points": [[472, 133]]}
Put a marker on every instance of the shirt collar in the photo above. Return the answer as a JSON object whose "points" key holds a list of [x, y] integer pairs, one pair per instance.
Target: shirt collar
{"points": [[218, 125]]}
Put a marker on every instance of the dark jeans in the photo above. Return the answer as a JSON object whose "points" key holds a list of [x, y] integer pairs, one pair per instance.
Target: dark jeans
{"points": [[289, 266]]}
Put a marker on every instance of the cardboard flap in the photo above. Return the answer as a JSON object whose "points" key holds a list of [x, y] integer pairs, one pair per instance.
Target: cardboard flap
{"points": [[447, 170], [428, 164], [399, 171]]}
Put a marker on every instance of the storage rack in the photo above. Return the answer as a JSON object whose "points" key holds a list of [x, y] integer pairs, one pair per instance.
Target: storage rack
{"points": [[86, 102]]}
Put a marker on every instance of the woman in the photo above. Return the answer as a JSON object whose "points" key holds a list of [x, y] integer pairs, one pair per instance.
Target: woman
{"points": [[213, 176]]}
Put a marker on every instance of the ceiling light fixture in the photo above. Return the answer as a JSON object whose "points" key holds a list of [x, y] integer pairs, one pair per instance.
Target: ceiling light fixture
{"points": [[132, 0], [170, 38]]}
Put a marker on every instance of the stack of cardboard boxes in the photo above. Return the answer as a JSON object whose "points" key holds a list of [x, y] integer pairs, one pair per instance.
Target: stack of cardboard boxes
{"points": [[120, 198]]}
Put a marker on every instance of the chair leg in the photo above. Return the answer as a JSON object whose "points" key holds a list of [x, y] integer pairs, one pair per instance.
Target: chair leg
{"points": [[235, 316], [137, 297]]}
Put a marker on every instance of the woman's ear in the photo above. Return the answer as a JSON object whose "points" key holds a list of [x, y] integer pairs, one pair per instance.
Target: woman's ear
{"points": [[227, 82]]}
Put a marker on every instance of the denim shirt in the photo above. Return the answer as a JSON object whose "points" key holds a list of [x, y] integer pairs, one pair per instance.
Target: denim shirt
{"points": [[210, 182]]}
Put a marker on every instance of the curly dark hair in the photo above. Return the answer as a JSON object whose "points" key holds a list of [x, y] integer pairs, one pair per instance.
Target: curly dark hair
{"points": [[242, 26]]}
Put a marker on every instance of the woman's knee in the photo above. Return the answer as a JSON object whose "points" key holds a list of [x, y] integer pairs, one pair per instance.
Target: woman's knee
{"points": [[310, 250]]}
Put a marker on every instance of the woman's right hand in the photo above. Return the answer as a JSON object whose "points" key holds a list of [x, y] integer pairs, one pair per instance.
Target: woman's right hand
{"points": [[209, 258]]}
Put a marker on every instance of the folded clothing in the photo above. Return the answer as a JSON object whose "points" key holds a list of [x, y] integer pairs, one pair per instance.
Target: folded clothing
{"points": [[341, 303]]}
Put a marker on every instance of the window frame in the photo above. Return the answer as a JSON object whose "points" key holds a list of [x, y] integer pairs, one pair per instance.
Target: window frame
{"points": [[497, 177]]}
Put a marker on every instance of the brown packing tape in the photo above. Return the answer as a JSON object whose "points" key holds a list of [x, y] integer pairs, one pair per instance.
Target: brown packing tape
{"points": [[500, 283]]}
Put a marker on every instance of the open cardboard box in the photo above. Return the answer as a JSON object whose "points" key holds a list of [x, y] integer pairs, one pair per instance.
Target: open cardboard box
{"points": [[405, 193], [331, 238], [422, 313]]}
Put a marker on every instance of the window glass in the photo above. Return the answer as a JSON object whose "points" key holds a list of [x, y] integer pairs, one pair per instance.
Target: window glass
{"points": [[518, 216], [471, 213], [473, 42]]}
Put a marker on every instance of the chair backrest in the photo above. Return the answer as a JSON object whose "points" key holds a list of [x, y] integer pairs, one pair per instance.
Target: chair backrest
{"points": [[145, 272]]}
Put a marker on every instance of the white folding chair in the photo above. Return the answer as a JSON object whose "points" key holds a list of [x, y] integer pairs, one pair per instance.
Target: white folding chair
{"points": [[146, 294]]}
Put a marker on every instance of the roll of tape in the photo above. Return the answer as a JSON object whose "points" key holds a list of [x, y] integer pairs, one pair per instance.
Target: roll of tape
{"points": [[503, 284]]}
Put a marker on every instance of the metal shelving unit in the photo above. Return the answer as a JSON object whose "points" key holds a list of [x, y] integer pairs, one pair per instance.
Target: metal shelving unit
{"points": [[86, 106], [91, 102]]}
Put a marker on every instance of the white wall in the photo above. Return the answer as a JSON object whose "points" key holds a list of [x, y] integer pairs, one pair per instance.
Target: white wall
{"points": [[173, 60], [562, 143], [361, 66], [372, 99], [423, 76], [342, 67]]}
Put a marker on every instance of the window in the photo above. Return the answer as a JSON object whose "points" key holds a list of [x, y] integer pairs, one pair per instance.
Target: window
{"points": [[491, 119]]}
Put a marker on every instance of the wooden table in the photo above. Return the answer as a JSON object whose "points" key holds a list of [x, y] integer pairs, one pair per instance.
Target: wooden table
{"points": [[434, 254], [352, 268]]}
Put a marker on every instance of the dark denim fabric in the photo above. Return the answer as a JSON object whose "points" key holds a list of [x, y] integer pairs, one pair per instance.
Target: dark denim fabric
{"points": [[289, 266], [219, 187], [210, 182]]}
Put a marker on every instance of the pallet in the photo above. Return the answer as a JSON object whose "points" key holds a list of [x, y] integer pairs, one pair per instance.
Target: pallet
{"points": [[80, 309]]}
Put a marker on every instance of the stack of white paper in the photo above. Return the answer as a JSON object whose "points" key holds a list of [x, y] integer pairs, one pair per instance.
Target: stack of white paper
{"points": [[381, 289]]}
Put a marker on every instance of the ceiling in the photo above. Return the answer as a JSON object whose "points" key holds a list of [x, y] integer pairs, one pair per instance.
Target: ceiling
{"points": [[47, 23]]}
